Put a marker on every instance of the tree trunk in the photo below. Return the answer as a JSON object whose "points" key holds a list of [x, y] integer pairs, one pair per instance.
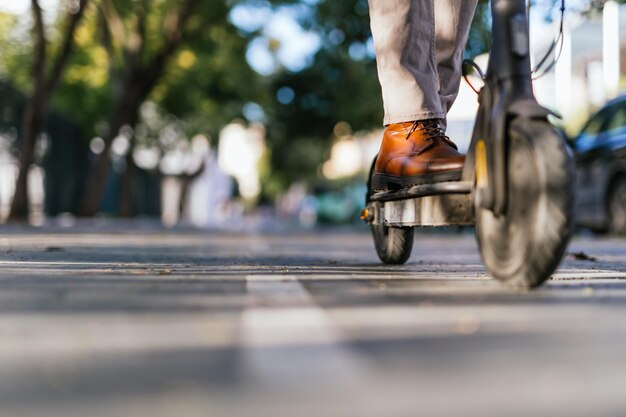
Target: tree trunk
{"points": [[136, 83], [127, 200], [34, 118], [126, 113], [95, 184], [32, 126]]}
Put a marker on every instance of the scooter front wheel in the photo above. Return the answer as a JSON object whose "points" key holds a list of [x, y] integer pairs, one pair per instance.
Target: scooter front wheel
{"points": [[525, 244], [393, 244]]}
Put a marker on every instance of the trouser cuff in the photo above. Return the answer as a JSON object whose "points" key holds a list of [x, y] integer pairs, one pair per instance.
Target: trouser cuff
{"points": [[392, 118]]}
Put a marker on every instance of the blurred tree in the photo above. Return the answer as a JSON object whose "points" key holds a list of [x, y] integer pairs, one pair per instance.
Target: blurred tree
{"points": [[47, 70], [340, 85], [139, 38], [479, 39], [182, 54]]}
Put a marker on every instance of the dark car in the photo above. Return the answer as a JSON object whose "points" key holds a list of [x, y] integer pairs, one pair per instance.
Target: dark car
{"points": [[600, 152]]}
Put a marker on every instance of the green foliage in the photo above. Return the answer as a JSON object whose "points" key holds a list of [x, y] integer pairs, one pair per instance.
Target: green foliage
{"points": [[85, 93], [209, 81], [206, 83], [15, 52], [479, 38], [339, 86]]}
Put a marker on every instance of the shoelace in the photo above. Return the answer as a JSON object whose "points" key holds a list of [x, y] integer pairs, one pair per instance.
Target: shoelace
{"points": [[431, 130]]}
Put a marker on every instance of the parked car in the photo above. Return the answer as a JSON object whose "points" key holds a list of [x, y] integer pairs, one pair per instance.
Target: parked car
{"points": [[600, 154]]}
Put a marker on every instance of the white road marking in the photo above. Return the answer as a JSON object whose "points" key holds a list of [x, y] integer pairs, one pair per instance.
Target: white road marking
{"points": [[583, 274], [276, 342]]}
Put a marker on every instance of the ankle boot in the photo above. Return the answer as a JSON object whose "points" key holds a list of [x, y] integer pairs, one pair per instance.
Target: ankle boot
{"points": [[416, 153]]}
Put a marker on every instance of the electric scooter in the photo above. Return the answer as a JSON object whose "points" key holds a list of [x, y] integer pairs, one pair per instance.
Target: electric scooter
{"points": [[517, 185]]}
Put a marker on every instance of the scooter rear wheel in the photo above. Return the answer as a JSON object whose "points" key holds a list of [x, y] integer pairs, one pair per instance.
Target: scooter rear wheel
{"points": [[524, 246], [393, 244]]}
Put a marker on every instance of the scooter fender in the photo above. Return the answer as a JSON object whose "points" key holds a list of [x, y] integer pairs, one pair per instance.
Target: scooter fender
{"points": [[483, 150], [526, 108], [494, 132], [530, 109]]}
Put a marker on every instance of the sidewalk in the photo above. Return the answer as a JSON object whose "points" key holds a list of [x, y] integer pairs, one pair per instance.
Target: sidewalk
{"points": [[142, 321]]}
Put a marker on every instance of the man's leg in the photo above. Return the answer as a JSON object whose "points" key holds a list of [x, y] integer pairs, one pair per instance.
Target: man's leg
{"points": [[452, 23], [404, 37], [414, 149]]}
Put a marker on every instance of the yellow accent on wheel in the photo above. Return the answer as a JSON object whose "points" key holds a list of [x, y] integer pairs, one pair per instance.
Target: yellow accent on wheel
{"points": [[481, 164]]}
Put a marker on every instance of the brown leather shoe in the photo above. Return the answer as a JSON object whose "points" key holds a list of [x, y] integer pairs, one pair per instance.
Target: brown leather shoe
{"points": [[416, 153]]}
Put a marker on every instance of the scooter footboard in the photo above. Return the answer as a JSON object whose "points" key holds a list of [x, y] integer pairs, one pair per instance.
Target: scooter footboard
{"points": [[434, 210]]}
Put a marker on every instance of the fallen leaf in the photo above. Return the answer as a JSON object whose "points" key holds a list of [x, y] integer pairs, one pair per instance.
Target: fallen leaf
{"points": [[582, 256], [54, 249]]}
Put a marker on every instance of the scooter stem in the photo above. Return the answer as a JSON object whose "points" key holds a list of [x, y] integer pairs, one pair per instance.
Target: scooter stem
{"points": [[510, 57]]}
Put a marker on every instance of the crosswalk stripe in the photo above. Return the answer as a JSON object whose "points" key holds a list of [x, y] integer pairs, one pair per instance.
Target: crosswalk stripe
{"points": [[274, 339]]}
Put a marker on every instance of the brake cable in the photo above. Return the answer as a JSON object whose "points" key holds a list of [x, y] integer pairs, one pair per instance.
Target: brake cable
{"points": [[475, 66], [557, 42]]}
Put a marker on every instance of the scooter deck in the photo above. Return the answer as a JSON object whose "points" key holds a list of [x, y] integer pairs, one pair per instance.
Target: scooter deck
{"points": [[439, 204], [423, 190]]}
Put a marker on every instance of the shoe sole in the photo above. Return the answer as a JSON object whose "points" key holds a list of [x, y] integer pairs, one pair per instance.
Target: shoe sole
{"points": [[386, 182]]}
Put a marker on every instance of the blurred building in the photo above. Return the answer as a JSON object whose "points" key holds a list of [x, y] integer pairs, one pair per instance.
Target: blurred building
{"points": [[590, 66], [589, 71]]}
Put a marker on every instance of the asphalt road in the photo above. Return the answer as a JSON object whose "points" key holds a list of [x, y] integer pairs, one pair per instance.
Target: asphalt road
{"points": [[154, 323]]}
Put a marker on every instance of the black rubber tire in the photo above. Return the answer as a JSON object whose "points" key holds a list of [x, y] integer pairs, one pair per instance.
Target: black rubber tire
{"points": [[393, 244], [524, 246], [616, 206]]}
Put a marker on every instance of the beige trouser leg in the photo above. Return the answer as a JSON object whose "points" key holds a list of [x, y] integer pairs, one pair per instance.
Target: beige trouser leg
{"points": [[419, 48]]}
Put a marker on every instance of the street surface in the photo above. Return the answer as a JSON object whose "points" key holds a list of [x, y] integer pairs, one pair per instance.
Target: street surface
{"points": [[148, 322]]}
